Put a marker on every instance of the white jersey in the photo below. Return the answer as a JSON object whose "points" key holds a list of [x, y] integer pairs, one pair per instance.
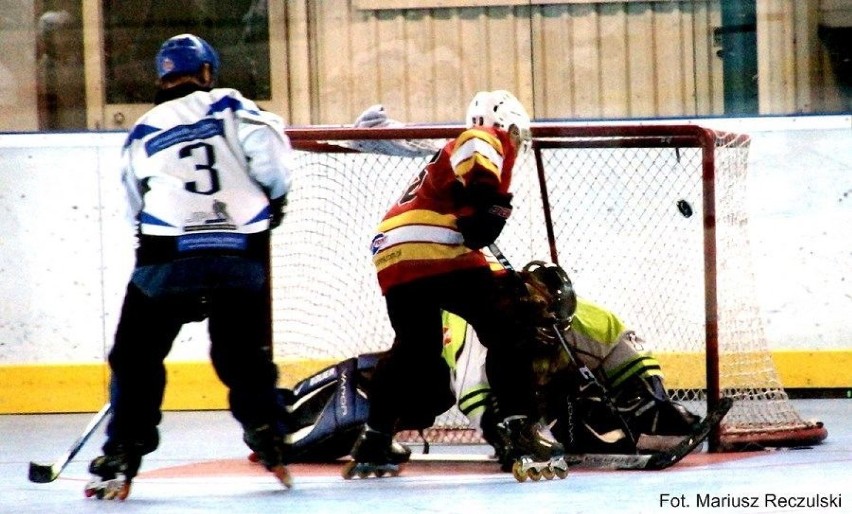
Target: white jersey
{"points": [[203, 167]]}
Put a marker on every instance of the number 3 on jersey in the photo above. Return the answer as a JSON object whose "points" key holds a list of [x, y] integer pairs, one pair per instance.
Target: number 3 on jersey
{"points": [[204, 160]]}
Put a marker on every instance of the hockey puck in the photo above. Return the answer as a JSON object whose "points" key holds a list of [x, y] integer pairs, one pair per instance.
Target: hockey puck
{"points": [[684, 208]]}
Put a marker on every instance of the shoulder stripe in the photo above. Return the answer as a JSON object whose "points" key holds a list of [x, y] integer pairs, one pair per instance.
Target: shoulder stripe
{"points": [[139, 132], [475, 151], [202, 129], [228, 103], [483, 135]]}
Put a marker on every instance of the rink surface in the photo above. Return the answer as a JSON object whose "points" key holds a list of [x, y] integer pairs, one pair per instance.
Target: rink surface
{"points": [[202, 467]]}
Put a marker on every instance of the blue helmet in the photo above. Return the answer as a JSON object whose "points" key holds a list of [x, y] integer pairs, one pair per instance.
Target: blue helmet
{"points": [[185, 55]]}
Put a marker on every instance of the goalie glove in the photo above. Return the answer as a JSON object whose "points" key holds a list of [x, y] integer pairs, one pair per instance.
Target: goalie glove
{"points": [[373, 116], [277, 207], [490, 210]]}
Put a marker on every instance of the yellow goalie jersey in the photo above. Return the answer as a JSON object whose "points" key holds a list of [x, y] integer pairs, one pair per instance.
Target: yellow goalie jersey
{"points": [[599, 337]]}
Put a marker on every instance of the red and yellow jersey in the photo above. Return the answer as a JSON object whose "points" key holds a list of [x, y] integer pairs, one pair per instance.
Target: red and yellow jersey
{"points": [[418, 236]]}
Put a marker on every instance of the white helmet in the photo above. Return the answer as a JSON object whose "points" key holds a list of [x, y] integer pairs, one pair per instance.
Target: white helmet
{"points": [[500, 109]]}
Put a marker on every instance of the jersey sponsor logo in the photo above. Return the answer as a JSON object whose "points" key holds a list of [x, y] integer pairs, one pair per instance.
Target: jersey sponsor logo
{"points": [[387, 259], [203, 129], [215, 219], [377, 243], [212, 241]]}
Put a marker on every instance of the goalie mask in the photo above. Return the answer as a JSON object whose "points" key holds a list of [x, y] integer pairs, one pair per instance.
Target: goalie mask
{"points": [[500, 109], [553, 284]]}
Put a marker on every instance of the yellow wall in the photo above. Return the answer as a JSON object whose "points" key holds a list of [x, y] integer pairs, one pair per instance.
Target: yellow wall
{"points": [[194, 386]]}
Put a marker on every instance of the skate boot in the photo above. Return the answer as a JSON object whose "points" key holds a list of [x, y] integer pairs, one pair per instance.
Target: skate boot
{"points": [[268, 447], [536, 452], [113, 473], [494, 432], [376, 453]]}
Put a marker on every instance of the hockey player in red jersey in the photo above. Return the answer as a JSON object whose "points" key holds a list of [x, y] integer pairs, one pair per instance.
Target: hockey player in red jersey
{"points": [[428, 258]]}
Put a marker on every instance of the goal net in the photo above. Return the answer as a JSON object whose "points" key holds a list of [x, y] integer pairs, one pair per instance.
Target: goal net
{"points": [[649, 221]]}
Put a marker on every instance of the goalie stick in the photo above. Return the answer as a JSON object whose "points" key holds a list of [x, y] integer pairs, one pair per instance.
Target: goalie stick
{"points": [[657, 460], [664, 458], [44, 473]]}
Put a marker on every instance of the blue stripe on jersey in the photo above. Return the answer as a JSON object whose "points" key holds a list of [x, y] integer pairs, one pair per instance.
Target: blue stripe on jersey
{"points": [[212, 240], [262, 215], [228, 102], [147, 219], [139, 132], [203, 129]]}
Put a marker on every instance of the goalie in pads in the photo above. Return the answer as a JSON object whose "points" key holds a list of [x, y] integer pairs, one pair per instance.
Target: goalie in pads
{"points": [[617, 356]]}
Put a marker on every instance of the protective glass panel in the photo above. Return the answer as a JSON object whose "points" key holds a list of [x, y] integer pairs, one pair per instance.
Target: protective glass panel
{"points": [[134, 31]]}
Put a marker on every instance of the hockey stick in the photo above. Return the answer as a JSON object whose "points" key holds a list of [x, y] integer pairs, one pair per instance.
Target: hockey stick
{"points": [[44, 473], [590, 382], [664, 458]]}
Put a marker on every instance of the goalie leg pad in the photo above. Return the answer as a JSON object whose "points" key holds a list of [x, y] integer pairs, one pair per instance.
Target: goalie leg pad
{"points": [[588, 426], [325, 413], [645, 404]]}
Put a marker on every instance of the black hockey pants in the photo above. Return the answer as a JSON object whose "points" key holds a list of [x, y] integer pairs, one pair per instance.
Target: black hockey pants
{"points": [[238, 323], [414, 363]]}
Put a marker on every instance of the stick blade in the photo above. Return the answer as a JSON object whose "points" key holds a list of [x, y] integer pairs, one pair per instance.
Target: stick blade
{"points": [[42, 473]]}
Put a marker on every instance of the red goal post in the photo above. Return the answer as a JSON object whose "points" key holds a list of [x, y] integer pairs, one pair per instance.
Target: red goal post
{"points": [[650, 221]]}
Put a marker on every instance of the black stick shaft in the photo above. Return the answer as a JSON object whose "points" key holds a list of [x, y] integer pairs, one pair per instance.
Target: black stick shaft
{"points": [[42, 473]]}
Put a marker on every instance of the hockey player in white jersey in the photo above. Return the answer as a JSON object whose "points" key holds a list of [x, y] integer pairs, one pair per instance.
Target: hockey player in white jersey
{"points": [[206, 175]]}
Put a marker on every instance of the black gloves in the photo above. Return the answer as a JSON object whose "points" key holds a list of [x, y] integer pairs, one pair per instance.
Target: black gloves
{"points": [[491, 209], [276, 208]]}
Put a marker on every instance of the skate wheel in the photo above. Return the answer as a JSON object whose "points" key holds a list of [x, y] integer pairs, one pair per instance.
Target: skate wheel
{"points": [[363, 473], [561, 473], [123, 492], [380, 473], [89, 492], [253, 457], [349, 470], [534, 474], [548, 473], [518, 472], [283, 476]]}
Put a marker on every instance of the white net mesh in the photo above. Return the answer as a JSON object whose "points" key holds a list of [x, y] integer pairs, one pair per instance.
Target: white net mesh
{"points": [[613, 197]]}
